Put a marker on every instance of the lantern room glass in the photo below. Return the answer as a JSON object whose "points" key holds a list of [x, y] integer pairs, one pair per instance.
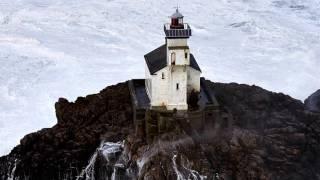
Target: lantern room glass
{"points": [[180, 20]]}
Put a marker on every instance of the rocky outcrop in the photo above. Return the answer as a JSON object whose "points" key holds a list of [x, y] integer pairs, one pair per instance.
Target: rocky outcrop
{"points": [[313, 102], [62, 151], [270, 136]]}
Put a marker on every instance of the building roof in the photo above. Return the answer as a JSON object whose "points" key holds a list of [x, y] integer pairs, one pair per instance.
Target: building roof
{"points": [[157, 60], [177, 14], [193, 63]]}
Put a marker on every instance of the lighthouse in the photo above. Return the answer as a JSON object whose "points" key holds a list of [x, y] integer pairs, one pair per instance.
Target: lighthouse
{"points": [[172, 73]]}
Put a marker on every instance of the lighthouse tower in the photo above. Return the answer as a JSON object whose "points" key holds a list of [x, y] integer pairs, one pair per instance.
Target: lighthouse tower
{"points": [[172, 72]]}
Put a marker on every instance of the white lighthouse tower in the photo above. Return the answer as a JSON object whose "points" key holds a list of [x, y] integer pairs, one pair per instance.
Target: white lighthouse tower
{"points": [[172, 72]]}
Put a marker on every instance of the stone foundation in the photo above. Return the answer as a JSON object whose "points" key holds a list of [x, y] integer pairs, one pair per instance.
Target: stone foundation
{"points": [[151, 123]]}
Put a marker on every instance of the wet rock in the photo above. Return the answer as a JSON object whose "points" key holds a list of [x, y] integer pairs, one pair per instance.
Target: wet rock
{"points": [[270, 136], [63, 150], [313, 102]]}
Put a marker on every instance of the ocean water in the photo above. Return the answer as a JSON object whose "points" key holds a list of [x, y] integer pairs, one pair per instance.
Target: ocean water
{"points": [[56, 48]]}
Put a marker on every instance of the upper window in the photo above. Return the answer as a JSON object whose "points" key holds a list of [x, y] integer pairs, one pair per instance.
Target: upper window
{"points": [[162, 75], [177, 86], [173, 58], [186, 55]]}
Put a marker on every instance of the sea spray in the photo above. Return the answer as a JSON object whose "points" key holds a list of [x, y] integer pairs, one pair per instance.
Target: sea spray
{"points": [[89, 170], [180, 176], [184, 173], [158, 147], [11, 175], [110, 151]]}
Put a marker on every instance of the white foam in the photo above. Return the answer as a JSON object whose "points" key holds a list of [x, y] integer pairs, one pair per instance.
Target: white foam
{"points": [[56, 48]]}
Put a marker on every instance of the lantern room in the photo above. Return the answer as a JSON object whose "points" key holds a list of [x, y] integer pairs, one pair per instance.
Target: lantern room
{"points": [[177, 20], [177, 29]]}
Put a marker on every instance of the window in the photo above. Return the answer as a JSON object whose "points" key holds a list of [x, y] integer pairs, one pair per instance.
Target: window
{"points": [[162, 76], [173, 58], [177, 86], [186, 55]]}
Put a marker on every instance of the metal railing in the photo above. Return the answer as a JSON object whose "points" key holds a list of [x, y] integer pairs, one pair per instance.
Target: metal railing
{"points": [[174, 33]]}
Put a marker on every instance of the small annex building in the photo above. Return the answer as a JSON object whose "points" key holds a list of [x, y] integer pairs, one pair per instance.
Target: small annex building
{"points": [[172, 72]]}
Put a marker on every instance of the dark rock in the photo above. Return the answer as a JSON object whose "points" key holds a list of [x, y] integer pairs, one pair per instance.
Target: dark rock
{"points": [[66, 148], [270, 136], [272, 130], [312, 103]]}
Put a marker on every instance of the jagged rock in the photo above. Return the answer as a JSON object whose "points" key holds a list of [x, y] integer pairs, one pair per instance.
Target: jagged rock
{"points": [[63, 150], [270, 136], [313, 102]]}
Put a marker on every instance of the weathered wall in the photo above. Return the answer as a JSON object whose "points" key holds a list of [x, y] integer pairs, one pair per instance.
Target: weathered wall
{"points": [[165, 92], [178, 95], [160, 88], [193, 80], [179, 56], [177, 42]]}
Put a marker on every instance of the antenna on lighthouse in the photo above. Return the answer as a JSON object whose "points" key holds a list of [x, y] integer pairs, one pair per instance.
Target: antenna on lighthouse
{"points": [[177, 7]]}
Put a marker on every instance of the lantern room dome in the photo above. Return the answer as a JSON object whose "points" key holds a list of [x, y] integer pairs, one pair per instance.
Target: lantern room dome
{"points": [[176, 15]]}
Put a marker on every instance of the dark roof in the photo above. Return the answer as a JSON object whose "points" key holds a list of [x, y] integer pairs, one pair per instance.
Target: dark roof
{"points": [[193, 63], [157, 60], [177, 14]]}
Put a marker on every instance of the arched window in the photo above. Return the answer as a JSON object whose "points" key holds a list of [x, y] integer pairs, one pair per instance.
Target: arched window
{"points": [[173, 58]]}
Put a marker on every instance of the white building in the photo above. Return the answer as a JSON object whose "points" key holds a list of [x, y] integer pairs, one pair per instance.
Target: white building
{"points": [[172, 72]]}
